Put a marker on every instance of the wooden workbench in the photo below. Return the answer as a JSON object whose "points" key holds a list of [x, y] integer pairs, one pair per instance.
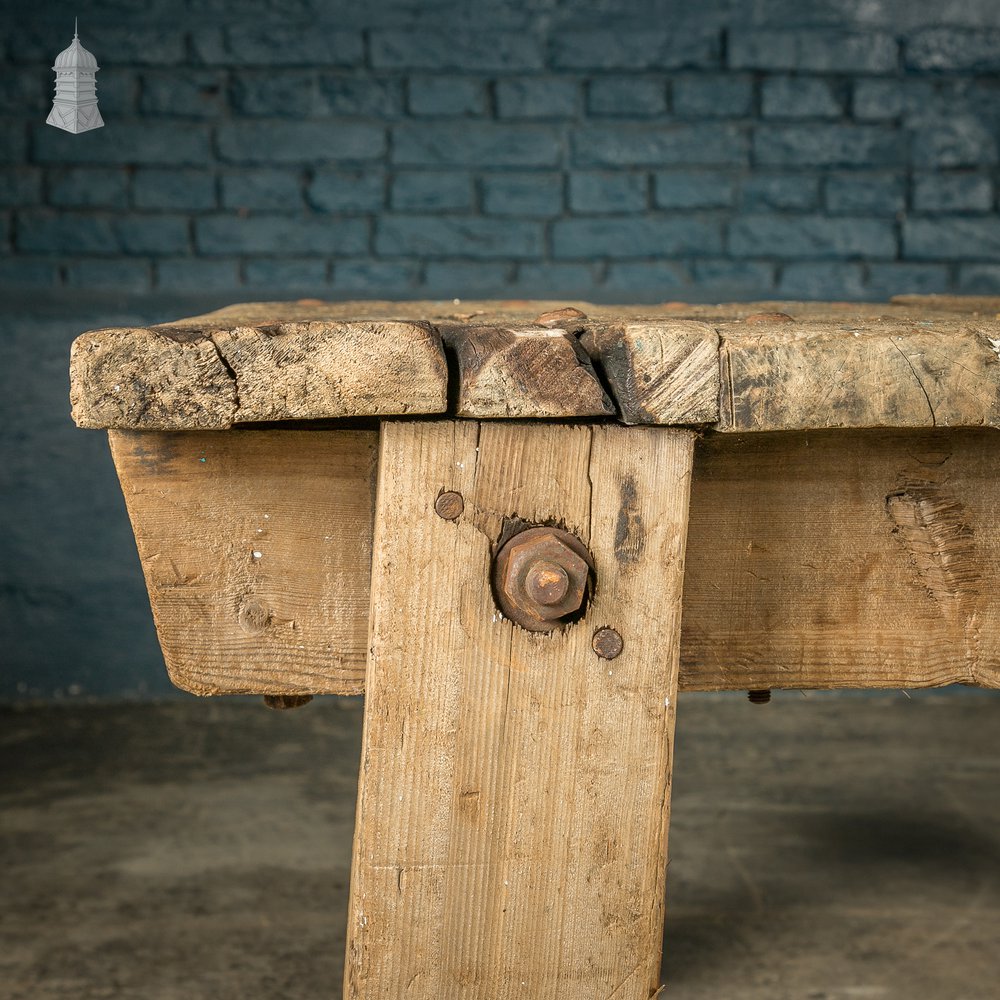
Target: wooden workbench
{"points": [[521, 528]]}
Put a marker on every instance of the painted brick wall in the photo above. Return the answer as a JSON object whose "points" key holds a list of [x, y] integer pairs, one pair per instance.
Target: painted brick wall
{"points": [[614, 149]]}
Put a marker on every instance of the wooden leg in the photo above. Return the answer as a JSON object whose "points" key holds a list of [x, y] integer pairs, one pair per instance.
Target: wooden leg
{"points": [[514, 791]]}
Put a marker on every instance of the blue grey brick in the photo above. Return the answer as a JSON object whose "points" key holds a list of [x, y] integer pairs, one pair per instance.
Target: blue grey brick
{"points": [[952, 193], [896, 278], [451, 236], [154, 141], [538, 97], [152, 234], [813, 280], [176, 189], [552, 280], [117, 93], [698, 46], [267, 189], [118, 274], [951, 238], [431, 191], [819, 51], [865, 194], [192, 94], [274, 45], [812, 236], [475, 144], [689, 189], [20, 186], [981, 279], [627, 96], [463, 278], [300, 142], [26, 88], [828, 146], [45, 231], [636, 236], [657, 146], [799, 192], [800, 97], [648, 279], [446, 96], [353, 96], [285, 273], [14, 148], [83, 187], [749, 278], [196, 274], [281, 94], [478, 51], [262, 234], [381, 278], [132, 44], [347, 191], [28, 272], [955, 49], [608, 192], [538, 195], [958, 142], [5, 231], [877, 100], [712, 96]]}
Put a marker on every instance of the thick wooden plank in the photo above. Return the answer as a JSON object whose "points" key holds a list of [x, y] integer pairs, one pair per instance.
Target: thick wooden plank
{"points": [[833, 559], [524, 372], [664, 372], [256, 548], [795, 376], [209, 376], [514, 790], [820, 497]]}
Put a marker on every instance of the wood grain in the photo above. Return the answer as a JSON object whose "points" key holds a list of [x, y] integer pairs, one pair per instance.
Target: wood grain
{"points": [[256, 548], [659, 372], [800, 376], [524, 372], [514, 792], [212, 376], [836, 559]]}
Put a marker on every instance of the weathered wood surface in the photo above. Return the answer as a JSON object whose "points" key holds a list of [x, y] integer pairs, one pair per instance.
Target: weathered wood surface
{"points": [[256, 548], [789, 534], [514, 791], [984, 305], [211, 376], [524, 372], [664, 372], [774, 366], [793, 376], [830, 559]]}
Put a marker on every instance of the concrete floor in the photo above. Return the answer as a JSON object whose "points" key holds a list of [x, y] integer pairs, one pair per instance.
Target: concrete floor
{"points": [[829, 848]]}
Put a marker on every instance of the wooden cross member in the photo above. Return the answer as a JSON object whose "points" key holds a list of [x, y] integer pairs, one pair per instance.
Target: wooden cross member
{"points": [[481, 516]]}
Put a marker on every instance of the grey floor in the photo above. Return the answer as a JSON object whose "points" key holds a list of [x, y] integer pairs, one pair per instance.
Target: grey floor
{"points": [[821, 849]]}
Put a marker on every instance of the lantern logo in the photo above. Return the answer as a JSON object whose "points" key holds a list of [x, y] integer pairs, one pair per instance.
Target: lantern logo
{"points": [[75, 106]]}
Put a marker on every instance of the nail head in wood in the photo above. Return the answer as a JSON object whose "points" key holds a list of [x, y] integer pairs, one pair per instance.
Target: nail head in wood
{"points": [[449, 505], [607, 643]]}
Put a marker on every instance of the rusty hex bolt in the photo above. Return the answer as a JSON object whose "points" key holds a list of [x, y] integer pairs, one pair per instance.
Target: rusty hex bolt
{"points": [[540, 577]]}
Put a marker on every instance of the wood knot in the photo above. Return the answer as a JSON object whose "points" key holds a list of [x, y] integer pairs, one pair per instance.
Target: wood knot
{"points": [[253, 617]]}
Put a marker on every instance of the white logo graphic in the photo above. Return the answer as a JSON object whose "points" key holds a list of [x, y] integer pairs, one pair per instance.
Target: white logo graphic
{"points": [[75, 106]]}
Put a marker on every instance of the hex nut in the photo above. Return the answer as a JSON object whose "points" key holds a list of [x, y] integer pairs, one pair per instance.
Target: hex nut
{"points": [[540, 577]]}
